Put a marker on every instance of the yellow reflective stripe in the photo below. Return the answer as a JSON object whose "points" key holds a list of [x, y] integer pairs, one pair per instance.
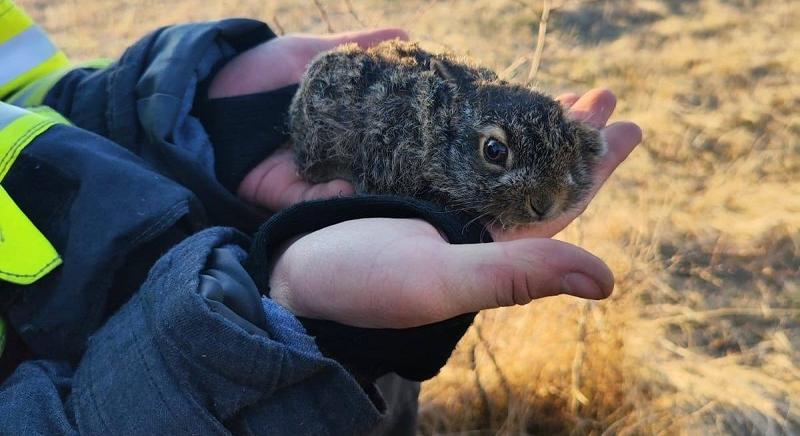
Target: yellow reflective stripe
{"points": [[34, 93], [25, 254], [13, 20], [17, 133], [49, 113]]}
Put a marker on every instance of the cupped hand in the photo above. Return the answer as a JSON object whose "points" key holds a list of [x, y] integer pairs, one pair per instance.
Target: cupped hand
{"points": [[391, 273], [279, 62], [399, 273], [282, 61]]}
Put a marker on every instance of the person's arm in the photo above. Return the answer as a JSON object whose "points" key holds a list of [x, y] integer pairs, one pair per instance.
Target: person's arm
{"points": [[172, 360], [180, 354], [144, 100]]}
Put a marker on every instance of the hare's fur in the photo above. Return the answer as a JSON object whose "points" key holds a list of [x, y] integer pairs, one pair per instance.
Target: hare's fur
{"points": [[395, 119]]}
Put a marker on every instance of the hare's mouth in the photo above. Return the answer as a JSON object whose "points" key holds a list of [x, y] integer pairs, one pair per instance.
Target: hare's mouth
{"points": [[511, 220], [537, 207], [542, 206]]}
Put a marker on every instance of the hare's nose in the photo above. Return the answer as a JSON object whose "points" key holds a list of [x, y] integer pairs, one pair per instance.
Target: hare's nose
{"points": [[540, 204]]}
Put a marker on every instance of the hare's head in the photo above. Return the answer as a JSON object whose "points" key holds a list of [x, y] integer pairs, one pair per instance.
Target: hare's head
{"points": [[516, 156]]}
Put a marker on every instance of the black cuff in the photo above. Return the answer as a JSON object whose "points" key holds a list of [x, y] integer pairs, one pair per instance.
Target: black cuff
{"points": [[415, 353], [244, 130]]}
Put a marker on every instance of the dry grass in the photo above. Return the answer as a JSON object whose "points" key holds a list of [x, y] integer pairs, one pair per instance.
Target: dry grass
{"points": [[701, 224]]}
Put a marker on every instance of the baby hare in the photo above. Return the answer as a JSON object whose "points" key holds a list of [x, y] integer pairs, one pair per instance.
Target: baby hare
{"points": [[395, 119]]}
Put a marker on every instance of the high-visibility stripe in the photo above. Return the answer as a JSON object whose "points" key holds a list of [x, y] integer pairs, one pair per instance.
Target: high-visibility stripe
{"points": [[49, 113], [9, 113], [13, 20], [18, 128], [25, 52], [34, 93], [59, 60], [25, 254]]}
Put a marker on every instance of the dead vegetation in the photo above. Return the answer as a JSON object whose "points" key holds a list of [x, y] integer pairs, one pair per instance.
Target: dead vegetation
{"points": [[701, 225]]}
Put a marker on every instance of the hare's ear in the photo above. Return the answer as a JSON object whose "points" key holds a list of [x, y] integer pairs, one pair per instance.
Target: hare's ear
{"points": [[459, 76], [591, 140]]}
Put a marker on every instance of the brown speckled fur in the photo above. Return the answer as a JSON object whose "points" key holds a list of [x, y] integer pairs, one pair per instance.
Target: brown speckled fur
{"points": [[396, 119]]}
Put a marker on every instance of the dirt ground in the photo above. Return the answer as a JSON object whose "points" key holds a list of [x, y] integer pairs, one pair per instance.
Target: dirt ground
{"points": [[701, 225]]}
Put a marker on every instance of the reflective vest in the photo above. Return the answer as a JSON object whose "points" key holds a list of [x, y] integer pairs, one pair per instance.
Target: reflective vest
{"points": [[26, 57], [29, 65]]}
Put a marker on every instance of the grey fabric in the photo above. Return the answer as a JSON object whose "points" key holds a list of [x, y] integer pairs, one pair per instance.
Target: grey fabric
{"points": [[402, 398]]}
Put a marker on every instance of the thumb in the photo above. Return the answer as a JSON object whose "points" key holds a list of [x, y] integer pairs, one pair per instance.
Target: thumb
{"points": [[516, 272], [364, 38]]}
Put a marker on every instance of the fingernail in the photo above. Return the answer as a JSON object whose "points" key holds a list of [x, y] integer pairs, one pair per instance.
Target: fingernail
{"points": [[582, 286]]}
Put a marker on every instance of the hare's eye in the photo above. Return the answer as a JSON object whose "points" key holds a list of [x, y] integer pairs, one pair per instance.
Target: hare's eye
{"points": [[495, 151]]}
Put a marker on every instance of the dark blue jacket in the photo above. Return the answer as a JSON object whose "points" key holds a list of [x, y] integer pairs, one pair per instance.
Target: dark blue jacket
{"points": [[122, 339]]}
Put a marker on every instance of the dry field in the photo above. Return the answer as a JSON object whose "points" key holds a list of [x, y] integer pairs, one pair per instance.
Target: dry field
{"points": [[701, 225]]}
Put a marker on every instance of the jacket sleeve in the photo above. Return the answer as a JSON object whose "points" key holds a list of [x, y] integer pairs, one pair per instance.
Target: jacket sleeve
{"points": [[113, 353], [168, 363], [144, 101]]}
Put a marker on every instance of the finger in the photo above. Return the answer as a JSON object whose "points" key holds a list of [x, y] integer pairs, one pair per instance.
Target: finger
{"points": [[332, 189], [622, 137], [274, 183], [249, 187], [293, 192], [364, 38], [567, 100], [595, 107], [483, 276]]}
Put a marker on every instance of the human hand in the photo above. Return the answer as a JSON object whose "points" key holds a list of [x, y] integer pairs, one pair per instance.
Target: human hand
{"points": [[385, 273], [594, 107], [279, 62], [399, 273]]}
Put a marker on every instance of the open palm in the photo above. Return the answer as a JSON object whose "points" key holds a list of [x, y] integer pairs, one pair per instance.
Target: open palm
{"points": [[398, 273]]}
